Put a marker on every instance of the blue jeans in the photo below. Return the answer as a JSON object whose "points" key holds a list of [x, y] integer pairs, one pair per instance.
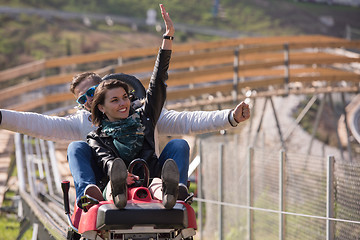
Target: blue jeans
{"points": [[85, 171], [82, 167], [178, 150]]}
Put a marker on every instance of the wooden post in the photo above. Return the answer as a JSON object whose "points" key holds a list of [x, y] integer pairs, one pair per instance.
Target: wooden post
{"points": [[286, 65], [236, 74]]}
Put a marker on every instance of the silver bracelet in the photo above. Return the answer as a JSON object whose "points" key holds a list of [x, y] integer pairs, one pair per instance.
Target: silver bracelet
{"points": [[232, 120]]}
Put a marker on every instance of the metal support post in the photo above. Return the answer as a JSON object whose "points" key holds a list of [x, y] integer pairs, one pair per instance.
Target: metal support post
{"points": [[39, 159], [252, 109], [330, 201], [282, 192], [120, 61], [19, 162], [199, 193], [348, 32], [335, 122], [220, 190], [54, 166], [346, 126], [260, 123], [46, 166], [250, 193], [35, 231], [277, 124], [316, 125], [30, 173]]}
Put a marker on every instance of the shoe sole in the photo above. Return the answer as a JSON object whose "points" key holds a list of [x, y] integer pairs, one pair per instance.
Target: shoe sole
{"points": [[94, 191], [118, 177], [170, 178]]}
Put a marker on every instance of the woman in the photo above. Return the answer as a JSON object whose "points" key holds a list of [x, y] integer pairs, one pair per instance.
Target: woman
{"points": [[125, 134]]}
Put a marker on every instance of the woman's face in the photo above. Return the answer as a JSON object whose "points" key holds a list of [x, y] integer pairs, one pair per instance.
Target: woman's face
{"points": [[116, 104]]}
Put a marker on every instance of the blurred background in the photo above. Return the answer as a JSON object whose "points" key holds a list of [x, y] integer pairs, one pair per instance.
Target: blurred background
{"points": [[32, 30], [308, 125]]}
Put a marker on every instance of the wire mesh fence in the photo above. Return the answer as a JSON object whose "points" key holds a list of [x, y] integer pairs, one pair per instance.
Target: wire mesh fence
{"points": [[246, 204], [347, 199]]}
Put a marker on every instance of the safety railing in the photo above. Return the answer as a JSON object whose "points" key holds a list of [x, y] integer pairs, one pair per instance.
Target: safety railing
{"points": [[260, 194], [288, 65], [39, 188]]}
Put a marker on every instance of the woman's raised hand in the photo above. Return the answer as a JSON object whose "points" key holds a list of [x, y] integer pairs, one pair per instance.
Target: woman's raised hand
{"points": [[170, 30]]}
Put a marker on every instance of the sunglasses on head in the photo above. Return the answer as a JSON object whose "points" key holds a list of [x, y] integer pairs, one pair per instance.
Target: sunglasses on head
{"points": [[90, 93]]}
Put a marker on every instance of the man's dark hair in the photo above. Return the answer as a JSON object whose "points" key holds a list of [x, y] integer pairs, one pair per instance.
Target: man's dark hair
{"points": [[77, 79]]}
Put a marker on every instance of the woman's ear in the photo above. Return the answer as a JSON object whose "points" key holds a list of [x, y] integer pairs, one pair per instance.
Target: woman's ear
{"points": [[101, 108]]}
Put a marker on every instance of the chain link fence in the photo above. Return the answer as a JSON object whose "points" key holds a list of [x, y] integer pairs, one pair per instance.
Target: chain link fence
{"points": [[227, 184]]}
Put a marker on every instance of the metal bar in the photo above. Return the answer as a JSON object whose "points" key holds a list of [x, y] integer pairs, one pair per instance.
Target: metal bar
{"points": [[300, 117], [250, 194], [199, 191], [347, 127], [47, 169], [220, 190], [330, 199], [48, 228], [277, 124], [260, 123], [282, 192], [348, 32], [39, 160], [54, 166], [252, 109], [35, 231], [316, 125], [28, 167], [19, 162], [32, 164], [336, 126]]}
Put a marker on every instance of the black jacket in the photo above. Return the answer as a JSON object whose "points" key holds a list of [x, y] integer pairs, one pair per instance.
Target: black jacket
{"points": [[102, 145]]}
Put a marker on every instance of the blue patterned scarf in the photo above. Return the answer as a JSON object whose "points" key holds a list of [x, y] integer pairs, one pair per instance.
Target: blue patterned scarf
{"points": [[127, 134]]}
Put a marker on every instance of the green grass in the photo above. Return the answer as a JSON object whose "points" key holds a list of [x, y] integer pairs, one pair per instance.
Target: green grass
{"points": [[9, 228], [10, 223]]}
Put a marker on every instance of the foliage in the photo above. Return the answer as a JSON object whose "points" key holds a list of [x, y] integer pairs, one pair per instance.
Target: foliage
{"points": [[27, 38]]}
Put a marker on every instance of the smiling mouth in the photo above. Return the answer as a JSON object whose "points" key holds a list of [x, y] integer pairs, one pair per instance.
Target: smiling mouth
{"points": [[122, 110]]}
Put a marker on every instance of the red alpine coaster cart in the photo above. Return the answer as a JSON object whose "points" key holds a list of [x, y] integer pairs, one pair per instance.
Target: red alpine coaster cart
{"points": [[143, 218]]}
